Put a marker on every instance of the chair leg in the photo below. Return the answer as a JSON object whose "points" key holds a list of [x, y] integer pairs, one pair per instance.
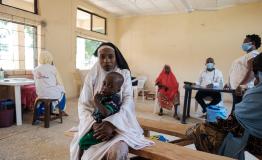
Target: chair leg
{"points": [[35, 113], [48, 106], [60, 115], [135, 93], [143, 95]]}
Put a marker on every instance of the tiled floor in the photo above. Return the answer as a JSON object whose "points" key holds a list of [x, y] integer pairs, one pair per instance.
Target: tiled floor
{"points": [[29, 142]]}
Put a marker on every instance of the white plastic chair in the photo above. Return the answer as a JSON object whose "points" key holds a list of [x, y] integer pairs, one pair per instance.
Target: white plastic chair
{"points": [[141, 80]]}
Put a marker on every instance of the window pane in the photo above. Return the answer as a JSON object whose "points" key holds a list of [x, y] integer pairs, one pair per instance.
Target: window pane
{"points": [[27, 5], [17, 46], [99, 24], [84, 56], [83, 20], [30, 47]]}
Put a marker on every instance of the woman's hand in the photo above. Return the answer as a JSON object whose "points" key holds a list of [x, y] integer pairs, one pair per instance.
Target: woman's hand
{"points": [[239, 91], [96, 126], [161, 86], [104, 131]]}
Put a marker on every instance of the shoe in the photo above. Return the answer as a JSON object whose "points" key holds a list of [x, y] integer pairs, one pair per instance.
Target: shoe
{"points": [[203, 116]]}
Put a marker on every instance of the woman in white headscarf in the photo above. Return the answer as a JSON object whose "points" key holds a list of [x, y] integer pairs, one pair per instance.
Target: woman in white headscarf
{"points": [[119, 131]]}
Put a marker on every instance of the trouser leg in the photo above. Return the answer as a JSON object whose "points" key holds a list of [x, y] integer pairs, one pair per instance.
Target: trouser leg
{"points": [[216, 98], [200, 99]]}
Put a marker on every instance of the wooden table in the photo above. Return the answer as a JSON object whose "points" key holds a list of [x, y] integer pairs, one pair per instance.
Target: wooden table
{"points": [[17, 83], [188, 94]]}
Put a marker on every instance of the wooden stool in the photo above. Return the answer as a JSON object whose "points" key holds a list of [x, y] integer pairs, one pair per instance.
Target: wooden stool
{"points": [[150, 95], [48, 111]]}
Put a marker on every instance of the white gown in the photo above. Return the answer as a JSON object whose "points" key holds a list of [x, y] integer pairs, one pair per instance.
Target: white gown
{"points": [[125, 121]]}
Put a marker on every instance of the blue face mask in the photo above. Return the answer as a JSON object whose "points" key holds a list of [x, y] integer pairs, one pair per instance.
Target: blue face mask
{"points": [[246, 46], [210, 66]]}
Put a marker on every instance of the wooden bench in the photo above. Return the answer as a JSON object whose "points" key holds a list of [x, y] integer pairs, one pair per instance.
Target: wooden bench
{"points": [[173, 129], [167, 151]]}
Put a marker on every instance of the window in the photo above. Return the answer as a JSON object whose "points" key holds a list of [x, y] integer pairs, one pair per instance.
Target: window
{"points": [[98, 24], [84, 52], [83, 20], [26, 5], [90, 21], [18, 49]]}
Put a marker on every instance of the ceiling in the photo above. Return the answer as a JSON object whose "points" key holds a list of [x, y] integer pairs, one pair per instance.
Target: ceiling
{"points": [[154, 7]]}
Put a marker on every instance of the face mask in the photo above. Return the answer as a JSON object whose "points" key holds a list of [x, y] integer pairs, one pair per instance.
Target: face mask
{"points": [[246, 46], [210, 65]]}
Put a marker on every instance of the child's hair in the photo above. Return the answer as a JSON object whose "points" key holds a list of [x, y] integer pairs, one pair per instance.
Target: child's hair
{"points": [[118, 78]]}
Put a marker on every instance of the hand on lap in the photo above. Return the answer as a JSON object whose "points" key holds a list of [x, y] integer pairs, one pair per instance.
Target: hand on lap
{"points": [[104, 131]]}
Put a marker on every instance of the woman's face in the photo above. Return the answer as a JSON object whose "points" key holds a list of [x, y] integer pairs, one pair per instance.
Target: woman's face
{"points": [[107, 59], [167, 69]]}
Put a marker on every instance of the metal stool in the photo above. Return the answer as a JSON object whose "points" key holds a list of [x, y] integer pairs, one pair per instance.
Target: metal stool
{"points": [[48, 112]]}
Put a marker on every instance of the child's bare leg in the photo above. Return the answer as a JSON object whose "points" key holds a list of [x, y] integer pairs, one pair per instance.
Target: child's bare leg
{"points": [[175, 113], [80, 154], [160, 112]]}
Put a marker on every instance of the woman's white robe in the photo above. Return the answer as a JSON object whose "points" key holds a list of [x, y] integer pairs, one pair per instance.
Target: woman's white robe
{"points": [[125, 121]]}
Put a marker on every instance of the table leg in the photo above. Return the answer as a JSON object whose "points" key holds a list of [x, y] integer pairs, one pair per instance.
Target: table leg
{"points": [[18, 107], [189, 102], [183, 119]]}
